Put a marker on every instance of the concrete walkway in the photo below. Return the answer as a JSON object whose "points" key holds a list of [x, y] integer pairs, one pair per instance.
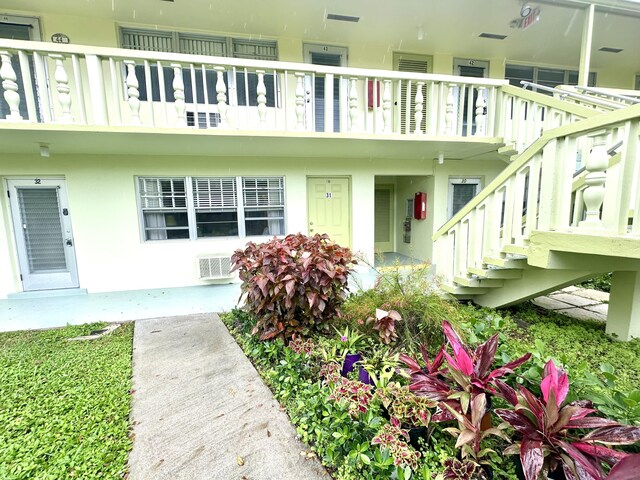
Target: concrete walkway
{"points": [[577, 302], [201, 411]]}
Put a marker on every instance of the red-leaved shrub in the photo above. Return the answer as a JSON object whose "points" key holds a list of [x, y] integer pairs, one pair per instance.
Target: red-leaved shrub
{"points": [[293, 285]]}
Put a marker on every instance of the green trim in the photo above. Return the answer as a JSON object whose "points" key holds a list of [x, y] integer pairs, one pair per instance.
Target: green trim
{"points": [[548, 101], [593, 124]]}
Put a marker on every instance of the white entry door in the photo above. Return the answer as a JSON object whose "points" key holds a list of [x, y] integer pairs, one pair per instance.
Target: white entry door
{"points": [[44, 239]]}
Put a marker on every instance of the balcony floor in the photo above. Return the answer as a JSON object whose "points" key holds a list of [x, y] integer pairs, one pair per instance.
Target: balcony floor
{"points": [[25, 138]]}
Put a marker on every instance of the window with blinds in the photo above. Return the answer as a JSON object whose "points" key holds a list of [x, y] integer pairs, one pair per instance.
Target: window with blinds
{"points": [[163, 202], [414, 64], [263, 200], [549, 77], [461, 191], [245, 84], [201, 207], [215, 202]]}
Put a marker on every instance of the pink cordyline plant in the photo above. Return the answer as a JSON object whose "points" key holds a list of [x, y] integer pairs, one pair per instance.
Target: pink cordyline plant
{"points": [[546, 437]]}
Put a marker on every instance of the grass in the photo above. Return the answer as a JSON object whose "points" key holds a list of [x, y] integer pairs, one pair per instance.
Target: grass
{"points": [[64, 406], [576, 342]]}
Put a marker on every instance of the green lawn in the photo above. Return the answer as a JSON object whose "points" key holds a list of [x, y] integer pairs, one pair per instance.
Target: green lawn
{"points": [[64, 406]]}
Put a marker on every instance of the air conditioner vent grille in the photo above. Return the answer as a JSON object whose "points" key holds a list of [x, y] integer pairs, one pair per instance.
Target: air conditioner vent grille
{"points": [[214, 267]]}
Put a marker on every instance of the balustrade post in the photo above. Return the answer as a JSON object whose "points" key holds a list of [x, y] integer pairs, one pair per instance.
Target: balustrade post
{"points": [[419, 101], [593, 195], [299, 100], [262, 99], [133, 92], [10, 86], [481, 113], [221, 90], [178, 94], [62, 86], [448, 118], [386, 106], [353, 103]]}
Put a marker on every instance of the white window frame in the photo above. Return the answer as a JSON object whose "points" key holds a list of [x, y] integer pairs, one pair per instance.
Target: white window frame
{"points": [[453, 181], [33, 22], [191, 209]]}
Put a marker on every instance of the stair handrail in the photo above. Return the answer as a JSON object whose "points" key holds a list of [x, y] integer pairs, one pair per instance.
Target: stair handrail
{"points": [[577, 96], [548, 101], [598, 91], [593, 124]]}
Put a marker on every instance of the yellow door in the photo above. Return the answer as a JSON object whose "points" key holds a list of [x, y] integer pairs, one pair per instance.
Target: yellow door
{"points": [[383, 210], [329, 208]]}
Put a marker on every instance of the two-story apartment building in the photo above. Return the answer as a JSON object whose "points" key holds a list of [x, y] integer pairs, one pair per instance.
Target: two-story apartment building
{"points": [[142, 142]]}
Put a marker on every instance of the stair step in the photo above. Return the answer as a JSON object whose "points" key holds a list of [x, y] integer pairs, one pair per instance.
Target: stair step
{"points": [[478, 283], [465, 292], [517, 249], [508, 150], [497, 273], [506, 262]]}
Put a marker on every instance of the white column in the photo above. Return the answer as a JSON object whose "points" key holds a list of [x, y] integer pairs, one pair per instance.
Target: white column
{"points": [[595, 180], [97, 90], [448, 118], [353, 104], [178, 93], [585, 48], [299, 100], [386, 106], [261, 91], [481, 113], [62, 86], [221, 90], [133, 92], [10, 86], [419, 101], [623, 318]]}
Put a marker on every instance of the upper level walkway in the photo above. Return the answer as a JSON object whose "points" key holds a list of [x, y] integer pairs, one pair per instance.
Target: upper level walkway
{"points": [[51, 90]]}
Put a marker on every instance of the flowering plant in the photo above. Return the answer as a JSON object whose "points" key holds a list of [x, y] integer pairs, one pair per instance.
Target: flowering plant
{"points": [[351, 340]]}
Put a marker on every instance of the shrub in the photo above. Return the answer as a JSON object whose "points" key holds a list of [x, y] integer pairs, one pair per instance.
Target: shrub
{"points": [[602, 283], [293, 285], [413, 295]]}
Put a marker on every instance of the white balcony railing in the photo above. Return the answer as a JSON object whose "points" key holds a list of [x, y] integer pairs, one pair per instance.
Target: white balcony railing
{"points": [[84, 85], [538, 192], [50, 83]]}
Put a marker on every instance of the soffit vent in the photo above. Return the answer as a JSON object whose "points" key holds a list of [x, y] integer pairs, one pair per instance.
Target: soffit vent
{"points": [[610, 50], [342, 18], [493, 36]]}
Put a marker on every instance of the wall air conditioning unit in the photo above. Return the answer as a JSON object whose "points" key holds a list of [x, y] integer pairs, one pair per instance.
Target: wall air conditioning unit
{"points": [[214, 267]]}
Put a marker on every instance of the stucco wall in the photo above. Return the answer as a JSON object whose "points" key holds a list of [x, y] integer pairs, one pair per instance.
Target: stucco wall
{"points": [[104, 213], [103, 32]]}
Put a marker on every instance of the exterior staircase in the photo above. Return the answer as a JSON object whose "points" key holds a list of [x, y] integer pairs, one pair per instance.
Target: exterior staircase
{"points": [[566, 208]]}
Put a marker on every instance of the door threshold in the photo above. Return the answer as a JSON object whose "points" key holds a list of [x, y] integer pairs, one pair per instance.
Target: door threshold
{"points": [[60, 292]]}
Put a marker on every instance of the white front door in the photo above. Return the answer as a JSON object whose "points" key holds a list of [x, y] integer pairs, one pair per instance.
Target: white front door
{"points": [[44, 239]]}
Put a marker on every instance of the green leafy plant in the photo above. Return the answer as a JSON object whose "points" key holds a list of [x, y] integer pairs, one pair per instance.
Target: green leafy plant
{"points": [[293, 285], [411, 410], [64, 406], [546, 436]]}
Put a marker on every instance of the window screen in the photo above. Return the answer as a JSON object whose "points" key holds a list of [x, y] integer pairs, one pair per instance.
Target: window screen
{"points": [[263, 200], [164, 208], [215, 202], [201, 207]]}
